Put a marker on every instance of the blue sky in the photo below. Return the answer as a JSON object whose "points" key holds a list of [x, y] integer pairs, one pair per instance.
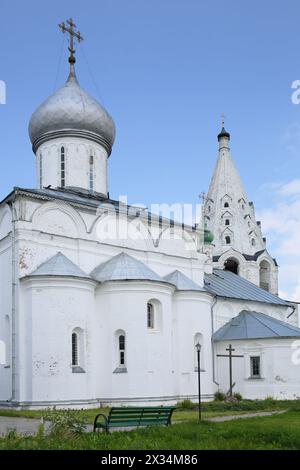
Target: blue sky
{"points": [[166, 70]]}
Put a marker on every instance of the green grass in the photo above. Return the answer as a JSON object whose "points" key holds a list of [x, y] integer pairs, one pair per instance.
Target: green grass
{"points": [[274, 432], [210, 409]]}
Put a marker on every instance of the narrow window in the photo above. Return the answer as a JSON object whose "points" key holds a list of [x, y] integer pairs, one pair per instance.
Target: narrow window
{"points": [[227, 222], [227, 240], [121, 350], [255, 366], [62, 168], [253, 242], [226, 204], [150, 316], [91, 173], [74, 349], [41, 170]]}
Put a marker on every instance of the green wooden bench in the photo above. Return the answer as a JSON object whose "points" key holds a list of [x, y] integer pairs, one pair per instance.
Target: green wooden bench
{"points": [[134, 417]]}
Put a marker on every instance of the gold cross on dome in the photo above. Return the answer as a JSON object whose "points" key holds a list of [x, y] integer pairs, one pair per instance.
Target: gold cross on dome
{"points": [[70, 28]]}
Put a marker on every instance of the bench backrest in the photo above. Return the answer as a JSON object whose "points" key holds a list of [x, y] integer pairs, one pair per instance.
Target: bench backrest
{"points": [[134, 416]]}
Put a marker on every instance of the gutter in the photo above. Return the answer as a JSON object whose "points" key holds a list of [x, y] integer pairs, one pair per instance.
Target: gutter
{"points": [[13, 305], [215, 299], [292, 312]]}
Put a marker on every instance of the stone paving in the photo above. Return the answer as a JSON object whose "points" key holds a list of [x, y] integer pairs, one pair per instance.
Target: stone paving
{"points": [[220, 419]]}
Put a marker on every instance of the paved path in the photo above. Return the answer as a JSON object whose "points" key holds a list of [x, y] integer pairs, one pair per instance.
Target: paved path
{"points": [[21, 425], [220, 419]]}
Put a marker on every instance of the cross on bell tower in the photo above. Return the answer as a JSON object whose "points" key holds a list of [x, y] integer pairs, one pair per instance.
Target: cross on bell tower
{"points": [[73, 34], [223, 121]]}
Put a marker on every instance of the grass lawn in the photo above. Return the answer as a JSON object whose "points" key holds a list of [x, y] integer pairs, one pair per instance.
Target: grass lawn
{"points": [[210, 409], [273, 432]]}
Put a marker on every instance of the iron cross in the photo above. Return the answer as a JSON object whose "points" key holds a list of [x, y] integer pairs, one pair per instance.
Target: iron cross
{"points": [[223, 119], [202, 197], [230, 356], [73, 34]]}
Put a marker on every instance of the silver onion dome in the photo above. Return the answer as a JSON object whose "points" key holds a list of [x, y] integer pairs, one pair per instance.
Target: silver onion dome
{"points": [[71, 112]]}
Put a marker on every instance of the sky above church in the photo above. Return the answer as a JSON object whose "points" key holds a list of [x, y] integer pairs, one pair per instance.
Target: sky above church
{"points": [[166, 70]]}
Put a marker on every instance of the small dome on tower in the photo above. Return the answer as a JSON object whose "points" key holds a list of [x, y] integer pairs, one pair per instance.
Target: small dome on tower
{"points": [[208, 236], [71, 111], [223, 133]]}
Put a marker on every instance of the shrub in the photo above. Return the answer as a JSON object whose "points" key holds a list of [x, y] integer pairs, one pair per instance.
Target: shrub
{"points": [[186, 405], [219, 396], [238, 396], [65, 421]]}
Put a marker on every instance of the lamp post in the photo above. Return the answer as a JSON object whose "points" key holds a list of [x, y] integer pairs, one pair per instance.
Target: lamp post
{"points": [[198, 349]]}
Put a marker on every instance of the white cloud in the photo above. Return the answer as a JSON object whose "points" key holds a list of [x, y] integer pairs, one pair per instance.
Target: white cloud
{"points": [[290, 189]]}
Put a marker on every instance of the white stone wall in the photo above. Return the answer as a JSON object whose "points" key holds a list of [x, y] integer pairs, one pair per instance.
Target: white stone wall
{"points": [[77, 164], [160, 364], [49, 311], [192, 317], [5, 302], [279, 373]]}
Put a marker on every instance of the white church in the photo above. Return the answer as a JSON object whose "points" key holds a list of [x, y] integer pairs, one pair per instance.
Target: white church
{"points": [[89, 318]]}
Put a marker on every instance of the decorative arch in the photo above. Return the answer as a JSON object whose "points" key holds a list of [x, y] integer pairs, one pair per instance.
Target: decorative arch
{"points": [[232, 265], [265, 275], [121, 230], [176, 233], [77, 349], [120, 341], [227, 236], [234, 255], [60, 219], [154, 308], [5, 222]]}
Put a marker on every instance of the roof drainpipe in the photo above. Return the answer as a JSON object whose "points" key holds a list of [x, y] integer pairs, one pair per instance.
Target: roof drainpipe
{"points": [[212, 341], [13, 305], [292, 312]]}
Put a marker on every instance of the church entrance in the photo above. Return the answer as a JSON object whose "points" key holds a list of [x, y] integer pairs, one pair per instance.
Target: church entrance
{"points": [[232, 265]]}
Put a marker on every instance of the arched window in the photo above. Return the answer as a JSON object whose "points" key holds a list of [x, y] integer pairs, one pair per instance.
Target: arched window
{"points": [[122, 351], [226, 204], [208, 209], [227, 222], [62, 167], [232, 265], [41, 170], [227, 240], [253, 242], [150, 316], [264, 275], [91, 173], [75, 349]]}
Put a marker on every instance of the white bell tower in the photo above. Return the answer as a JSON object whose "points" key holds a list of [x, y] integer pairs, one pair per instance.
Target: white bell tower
{"points": [[239, 245]]}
